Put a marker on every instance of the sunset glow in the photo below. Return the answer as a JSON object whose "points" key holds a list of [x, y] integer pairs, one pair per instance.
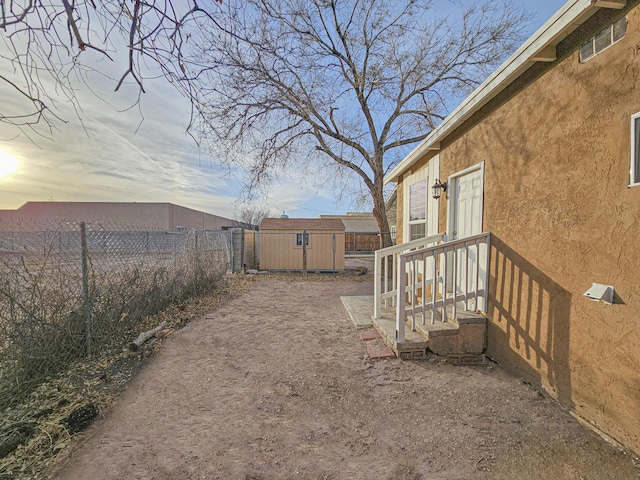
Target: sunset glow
{"points": [[8, 164]]}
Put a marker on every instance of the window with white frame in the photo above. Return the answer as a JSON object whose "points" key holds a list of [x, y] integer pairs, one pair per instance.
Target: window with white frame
{"points": [[299, 239], [393, 232], [603, 40], [635, 149], [418, 209]]}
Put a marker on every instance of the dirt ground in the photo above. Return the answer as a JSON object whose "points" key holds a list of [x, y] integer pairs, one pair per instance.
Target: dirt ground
{"points": [[276, 384]]}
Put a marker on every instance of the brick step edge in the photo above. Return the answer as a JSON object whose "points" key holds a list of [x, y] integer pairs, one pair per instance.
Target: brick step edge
{"points": [[465, 359]]}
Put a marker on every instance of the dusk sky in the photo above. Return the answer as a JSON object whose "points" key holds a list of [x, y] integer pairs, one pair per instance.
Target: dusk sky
{"points": [[104, 158]]}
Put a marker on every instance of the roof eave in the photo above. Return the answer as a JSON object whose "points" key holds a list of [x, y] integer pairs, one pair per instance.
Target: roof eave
{"points": [[539, 47]]}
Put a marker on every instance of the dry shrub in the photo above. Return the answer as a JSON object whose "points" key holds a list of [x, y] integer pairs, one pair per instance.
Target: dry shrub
{"points": [[35, 434], [54, 314]]}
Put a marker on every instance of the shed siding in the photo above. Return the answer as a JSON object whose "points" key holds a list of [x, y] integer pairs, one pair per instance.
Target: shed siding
{"points": [[278, 250]]}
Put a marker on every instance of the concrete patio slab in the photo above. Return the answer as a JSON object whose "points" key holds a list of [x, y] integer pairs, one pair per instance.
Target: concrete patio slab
{"points": [[359, 309]]}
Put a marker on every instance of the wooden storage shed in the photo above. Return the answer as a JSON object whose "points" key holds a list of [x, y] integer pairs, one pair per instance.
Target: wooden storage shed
{"points": [[282, 244]]}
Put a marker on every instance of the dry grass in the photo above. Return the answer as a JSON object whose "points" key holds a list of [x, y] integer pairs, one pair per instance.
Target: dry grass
{"points": [[44, 424], [348, 275]]}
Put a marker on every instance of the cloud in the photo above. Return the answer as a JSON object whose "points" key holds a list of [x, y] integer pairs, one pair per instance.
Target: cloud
{"points": [[110, 155], [116, 152]]}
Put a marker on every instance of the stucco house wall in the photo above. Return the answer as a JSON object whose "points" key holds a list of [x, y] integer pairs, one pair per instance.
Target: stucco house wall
{"points": [[278, 249], [557, 201]]}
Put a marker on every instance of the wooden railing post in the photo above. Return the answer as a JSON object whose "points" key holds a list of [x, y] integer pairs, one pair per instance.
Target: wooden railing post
{"points": [[389, 255], [377, 285], [400, 303], [485, 306]]}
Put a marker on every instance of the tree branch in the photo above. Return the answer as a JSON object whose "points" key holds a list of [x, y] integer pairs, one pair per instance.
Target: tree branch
{"points": [[132, 38]]}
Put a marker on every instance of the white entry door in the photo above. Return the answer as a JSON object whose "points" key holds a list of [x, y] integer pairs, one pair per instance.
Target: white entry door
{"points": [[467, 211], [467, 205]]}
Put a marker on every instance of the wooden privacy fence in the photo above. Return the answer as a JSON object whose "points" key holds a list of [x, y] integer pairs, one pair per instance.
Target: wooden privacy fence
{"points": [[365, 242]]}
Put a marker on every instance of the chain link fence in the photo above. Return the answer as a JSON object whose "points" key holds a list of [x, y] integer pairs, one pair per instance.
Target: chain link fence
{"points": [[71, 290]]}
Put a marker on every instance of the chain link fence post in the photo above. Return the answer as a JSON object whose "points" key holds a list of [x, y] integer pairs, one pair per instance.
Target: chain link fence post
{"points": [[86, 310], [196, 265]]}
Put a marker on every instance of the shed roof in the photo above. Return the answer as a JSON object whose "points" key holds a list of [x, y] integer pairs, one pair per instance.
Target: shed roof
{"points": [[540, 47], [302, 224]]}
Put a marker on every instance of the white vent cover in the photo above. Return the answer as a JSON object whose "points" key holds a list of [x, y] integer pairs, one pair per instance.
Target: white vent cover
{"points": [[599, 292]]}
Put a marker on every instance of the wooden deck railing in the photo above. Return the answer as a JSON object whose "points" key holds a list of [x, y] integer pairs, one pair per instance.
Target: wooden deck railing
{"points": [[429, 279], [386, 269]]}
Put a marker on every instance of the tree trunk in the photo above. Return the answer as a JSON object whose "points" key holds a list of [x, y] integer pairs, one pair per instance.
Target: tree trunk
{"points": [[380, 213]]}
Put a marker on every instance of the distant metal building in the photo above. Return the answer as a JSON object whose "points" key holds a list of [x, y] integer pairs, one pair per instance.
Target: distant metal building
{"points": [[165, 216]]}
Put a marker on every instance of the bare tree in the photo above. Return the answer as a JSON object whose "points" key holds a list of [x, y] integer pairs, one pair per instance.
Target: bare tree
{"points": [[356, 82], [48, 43], [251, 216]]}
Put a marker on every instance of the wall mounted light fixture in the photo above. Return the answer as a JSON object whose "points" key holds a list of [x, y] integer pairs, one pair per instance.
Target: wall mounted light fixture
{"points": [[438, 188]]}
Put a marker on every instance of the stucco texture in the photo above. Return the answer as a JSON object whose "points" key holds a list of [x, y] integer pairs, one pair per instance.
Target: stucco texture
{"points": [[557, 201]]}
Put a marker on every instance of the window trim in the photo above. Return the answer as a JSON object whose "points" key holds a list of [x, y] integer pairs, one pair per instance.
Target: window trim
{"points": [[420, 221], [634, 170], [299, 239], [612, 41], [430, 171]]}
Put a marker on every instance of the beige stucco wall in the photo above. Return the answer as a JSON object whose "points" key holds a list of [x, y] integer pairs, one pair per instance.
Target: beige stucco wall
{"points": [[556, 200], [278, 250]]}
